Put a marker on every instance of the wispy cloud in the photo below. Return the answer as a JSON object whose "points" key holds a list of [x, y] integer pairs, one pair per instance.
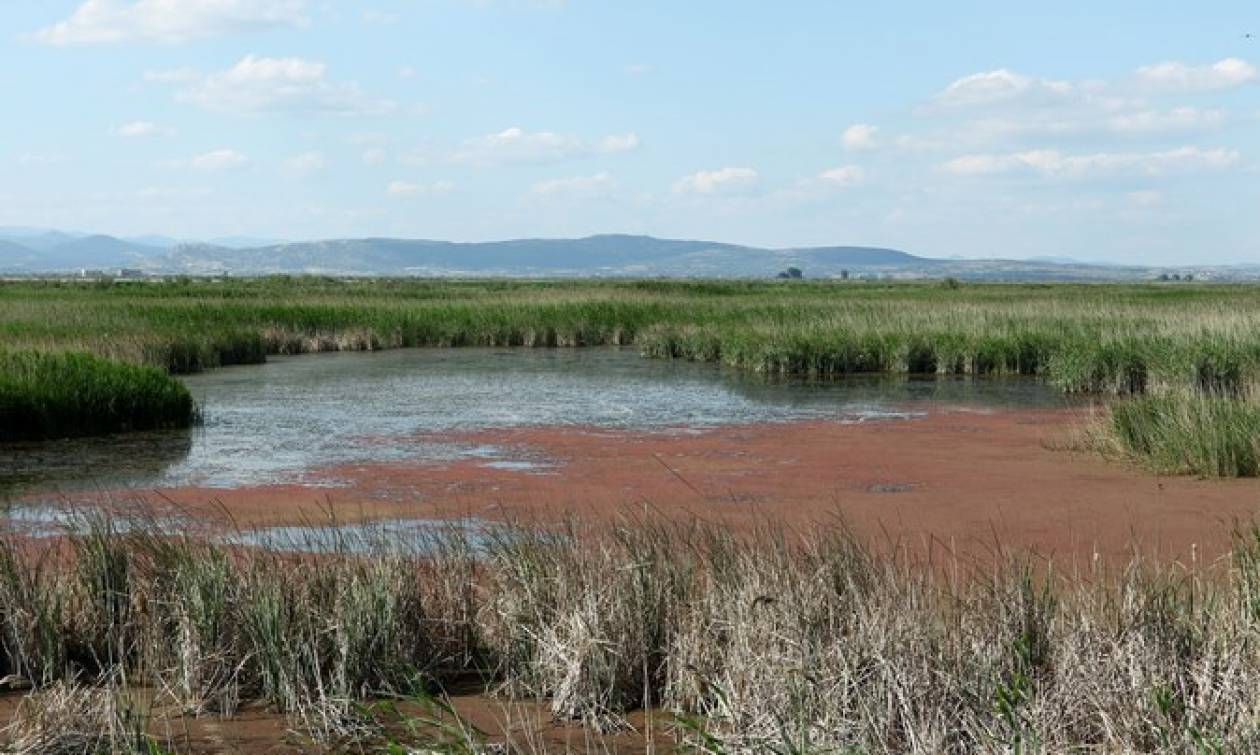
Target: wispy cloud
{"points": [[585, 186], [142, 130], [1081, 122], [172, 193], [1001, 85], [843, 176], [1048, 162], [860, 136], [1176, 76], [720, 181], [821, 186], [1005, 118], [276, 85], [516, 145], [211, 162], [1004, 87], [168, 21], [407, 189]]}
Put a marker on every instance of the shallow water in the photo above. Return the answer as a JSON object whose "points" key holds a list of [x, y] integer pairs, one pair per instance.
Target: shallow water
{"points": [[280, 421], [398, 536]]}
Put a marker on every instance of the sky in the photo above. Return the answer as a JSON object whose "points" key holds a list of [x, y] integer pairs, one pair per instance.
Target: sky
{"points": [[1120, 131]]}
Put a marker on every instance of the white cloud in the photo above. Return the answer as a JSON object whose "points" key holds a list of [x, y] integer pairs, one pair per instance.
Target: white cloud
{"points": [[980, 165], [406, 72], [1012, 109], [1000, 85], [1008, 88], [721, 181], [638, 69], [404, 189], [1175, 76], [1176, 119], [1083, 121], [822, 186], [211, 162], [374, 156], [515, 145], [860, 136], [844, 175], [169, 21], [306, 164], [273, 85], [1049, 162], [142, 130], [587, 186]]}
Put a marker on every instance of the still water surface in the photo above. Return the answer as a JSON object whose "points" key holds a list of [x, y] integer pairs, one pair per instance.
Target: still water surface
{"points": [[280, 421]]}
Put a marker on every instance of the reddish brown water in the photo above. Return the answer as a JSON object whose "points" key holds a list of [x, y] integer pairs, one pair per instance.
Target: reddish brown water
{"points": [[953, 480]]}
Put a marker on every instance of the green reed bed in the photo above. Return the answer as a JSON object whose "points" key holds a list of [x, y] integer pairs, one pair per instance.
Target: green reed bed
{"points": [[1107, 338], [769, 641], [1201, 434], [44, 395], [1110, 340]]}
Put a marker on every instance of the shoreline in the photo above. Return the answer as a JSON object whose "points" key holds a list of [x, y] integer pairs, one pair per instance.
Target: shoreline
{"points": [[956, 478]]}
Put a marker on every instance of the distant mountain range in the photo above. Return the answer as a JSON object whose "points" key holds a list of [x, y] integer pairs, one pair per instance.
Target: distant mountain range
{"points": [[30, 251]]}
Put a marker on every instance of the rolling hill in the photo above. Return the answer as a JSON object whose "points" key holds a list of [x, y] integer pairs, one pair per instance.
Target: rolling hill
{"points": [[33, 251]]}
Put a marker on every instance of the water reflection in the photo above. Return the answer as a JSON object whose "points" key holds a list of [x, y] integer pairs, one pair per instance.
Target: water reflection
{"points": [[61, 464], [396, 536], [387, 536]]}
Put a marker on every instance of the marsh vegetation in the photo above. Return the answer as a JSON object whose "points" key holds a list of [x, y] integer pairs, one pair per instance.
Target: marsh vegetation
{"points": [[59, 394], [765, 641], [1190, 348]]}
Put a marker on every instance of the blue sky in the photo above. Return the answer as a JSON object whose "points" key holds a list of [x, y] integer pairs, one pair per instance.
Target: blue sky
{"points": [[1128, 133]]}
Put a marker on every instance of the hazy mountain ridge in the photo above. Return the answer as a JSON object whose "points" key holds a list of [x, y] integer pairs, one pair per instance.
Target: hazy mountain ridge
{"points": [[29, 251]]}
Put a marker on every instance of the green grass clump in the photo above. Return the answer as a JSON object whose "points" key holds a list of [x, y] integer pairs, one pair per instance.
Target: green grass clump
{"points": [[1202, 434], [60, 394]]}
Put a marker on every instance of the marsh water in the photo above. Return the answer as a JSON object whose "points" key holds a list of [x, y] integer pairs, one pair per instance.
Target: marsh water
{"points": [[281, 421]]}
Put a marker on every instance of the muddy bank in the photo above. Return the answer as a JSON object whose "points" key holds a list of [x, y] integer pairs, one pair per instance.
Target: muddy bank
{"points": [[953, 480], [524, 725]]}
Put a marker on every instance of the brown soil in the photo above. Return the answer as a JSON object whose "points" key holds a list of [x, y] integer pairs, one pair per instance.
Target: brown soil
{"points": [[958, 480]]}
